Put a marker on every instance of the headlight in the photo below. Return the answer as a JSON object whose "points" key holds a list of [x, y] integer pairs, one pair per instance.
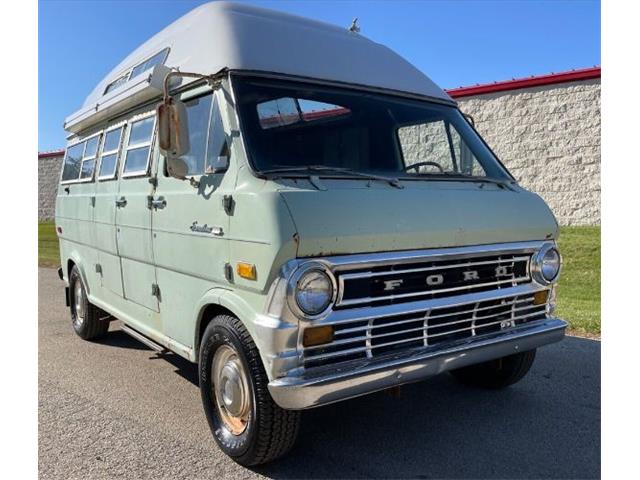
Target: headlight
{"points": [[546, 264], [313, 291]]}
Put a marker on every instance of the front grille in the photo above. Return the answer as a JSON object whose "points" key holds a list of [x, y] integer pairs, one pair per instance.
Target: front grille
{"points": [[426, 279], [377, 336]]}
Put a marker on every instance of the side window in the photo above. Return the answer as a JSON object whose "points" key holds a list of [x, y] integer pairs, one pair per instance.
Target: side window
{"points": [[73, 162], [208, 146], [109, 155], [138, 148], [218, 152], [198, 112], [89, 157]]}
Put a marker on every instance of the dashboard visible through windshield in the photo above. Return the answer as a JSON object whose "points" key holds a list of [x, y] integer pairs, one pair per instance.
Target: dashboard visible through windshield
{"points": [[300, 128]]}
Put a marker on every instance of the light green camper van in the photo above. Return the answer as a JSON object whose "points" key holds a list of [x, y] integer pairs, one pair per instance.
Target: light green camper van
{"points": [[303, 214]]}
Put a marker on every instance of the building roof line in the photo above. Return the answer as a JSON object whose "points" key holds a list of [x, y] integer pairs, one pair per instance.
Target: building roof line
{"points": [[51, 153], [527, 82]]}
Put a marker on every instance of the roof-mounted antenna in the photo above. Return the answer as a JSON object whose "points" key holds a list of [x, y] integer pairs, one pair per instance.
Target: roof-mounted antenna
{"points": [[354, 28]]}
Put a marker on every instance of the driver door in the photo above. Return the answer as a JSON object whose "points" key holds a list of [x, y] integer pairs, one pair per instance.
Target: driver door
{"points": [[189, 220]]}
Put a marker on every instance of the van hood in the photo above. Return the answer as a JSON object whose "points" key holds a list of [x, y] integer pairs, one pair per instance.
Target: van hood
{"points": [[359, 217]]}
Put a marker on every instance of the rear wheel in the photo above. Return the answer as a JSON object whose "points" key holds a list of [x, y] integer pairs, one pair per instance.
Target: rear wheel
{"points": [[88, 320], [498, 373], [245, 421]]}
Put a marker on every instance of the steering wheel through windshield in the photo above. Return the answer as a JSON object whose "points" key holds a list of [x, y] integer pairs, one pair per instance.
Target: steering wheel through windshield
{"points": [[424, 164]]}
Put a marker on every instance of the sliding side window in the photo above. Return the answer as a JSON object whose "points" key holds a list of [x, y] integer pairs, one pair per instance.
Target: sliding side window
{"points": [[89, 157], [137, 152], [72, 162], [110, 149]]}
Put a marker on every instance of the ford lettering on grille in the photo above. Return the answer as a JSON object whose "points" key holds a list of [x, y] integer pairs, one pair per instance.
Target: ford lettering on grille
{"points": [[396, 283]]}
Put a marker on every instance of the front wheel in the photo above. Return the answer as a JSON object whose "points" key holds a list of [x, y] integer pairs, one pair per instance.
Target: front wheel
{"points": [[245, 421], [87, 319], [498, 373]]}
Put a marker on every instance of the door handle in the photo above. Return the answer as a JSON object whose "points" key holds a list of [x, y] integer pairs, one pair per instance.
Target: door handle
{"points": [[158, 203], [121, 202]]}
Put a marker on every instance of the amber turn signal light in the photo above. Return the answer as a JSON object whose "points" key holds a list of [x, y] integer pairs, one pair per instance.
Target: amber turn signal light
{"points": [[540, 298], [317, 335], [246, 270]]}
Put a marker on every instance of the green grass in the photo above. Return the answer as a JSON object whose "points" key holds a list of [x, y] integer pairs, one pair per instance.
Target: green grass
{"points": [[579, 286], [578, 290], [48, 253]]}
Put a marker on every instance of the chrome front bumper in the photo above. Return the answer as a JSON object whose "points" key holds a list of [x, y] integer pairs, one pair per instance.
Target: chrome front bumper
{"points": [[359, 378]]}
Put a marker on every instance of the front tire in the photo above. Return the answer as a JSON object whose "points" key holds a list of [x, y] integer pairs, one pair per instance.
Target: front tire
{"points": [[87, 319], [499, 373], [246, 423]]}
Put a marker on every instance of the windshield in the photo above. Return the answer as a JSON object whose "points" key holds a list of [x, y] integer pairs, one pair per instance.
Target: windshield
{"points": [[303, 128]]}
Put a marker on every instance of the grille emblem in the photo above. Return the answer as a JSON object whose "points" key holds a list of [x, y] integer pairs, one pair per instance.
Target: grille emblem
{"points": [[435, 279], [392, 284], [502, 271], [470, 275]]}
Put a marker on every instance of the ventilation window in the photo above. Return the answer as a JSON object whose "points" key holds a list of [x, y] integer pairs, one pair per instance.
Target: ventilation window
{"points": [[138, 149], [110, 149], [158, 59]]}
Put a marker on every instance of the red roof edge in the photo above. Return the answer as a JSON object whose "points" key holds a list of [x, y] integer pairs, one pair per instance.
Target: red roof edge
{"points": [[533, 81], [52, 153]]}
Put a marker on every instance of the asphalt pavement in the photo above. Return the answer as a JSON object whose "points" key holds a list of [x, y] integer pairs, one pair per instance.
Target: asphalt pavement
{"points": [[115, 409]]}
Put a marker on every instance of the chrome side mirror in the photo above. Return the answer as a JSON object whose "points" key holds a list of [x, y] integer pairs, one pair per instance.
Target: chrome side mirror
{"points": [[470, 119], [173, 135]]}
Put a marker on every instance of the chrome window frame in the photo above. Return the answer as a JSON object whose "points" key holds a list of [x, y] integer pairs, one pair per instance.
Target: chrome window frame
{"points": [[94, 157], [117, 151], [199, 91], [126, 147], [216, 105], [64, 161]]}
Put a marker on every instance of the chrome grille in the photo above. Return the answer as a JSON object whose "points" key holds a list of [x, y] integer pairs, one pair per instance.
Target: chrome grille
{"points": [[373, 337], [425, 279]]}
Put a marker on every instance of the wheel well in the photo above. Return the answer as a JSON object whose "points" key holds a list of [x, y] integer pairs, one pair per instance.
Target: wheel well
{"points": [[208, 313], [70, 265]]}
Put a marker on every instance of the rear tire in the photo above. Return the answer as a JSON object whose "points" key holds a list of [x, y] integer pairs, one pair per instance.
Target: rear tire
{"points": [[499, 373], [88, 320], [246, 423]]}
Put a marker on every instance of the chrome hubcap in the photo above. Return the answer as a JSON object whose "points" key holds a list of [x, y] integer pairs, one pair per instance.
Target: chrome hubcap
{"points": [[78, 296], [231, 389]]}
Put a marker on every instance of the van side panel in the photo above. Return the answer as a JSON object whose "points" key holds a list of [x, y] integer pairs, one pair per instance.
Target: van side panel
{"points": [[104, 228]]}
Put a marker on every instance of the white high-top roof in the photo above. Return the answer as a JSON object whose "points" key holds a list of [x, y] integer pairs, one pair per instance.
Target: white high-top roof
{"points": [[243, 37]]}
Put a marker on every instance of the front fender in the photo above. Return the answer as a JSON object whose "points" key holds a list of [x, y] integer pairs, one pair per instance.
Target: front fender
{"points": [[275, 339]]}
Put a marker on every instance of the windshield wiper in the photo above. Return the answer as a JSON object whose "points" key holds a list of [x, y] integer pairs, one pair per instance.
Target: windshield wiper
{"points": [[326, 169], [473, 178]]}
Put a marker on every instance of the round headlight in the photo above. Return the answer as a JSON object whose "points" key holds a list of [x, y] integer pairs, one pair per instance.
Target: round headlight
{"points": [[550, 265], [314, 292], [546, 264]]}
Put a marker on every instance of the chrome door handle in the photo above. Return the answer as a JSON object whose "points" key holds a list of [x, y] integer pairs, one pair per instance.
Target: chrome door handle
{"points": [[158, 203], [121, 202]]}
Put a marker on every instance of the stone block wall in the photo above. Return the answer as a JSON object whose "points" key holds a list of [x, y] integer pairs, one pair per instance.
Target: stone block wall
{"points": [[549, 139], [48, 176]]}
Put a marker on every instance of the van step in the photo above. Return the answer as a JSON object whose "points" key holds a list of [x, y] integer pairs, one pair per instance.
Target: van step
{"points": [[144, 339]]}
